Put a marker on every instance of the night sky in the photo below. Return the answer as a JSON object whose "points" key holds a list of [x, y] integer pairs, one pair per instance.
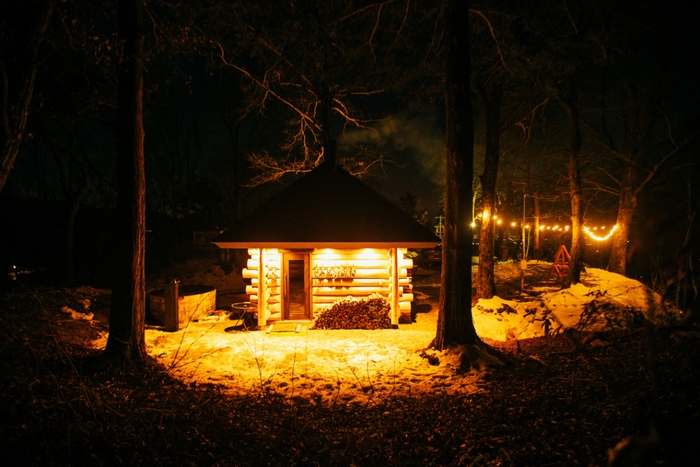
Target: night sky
{"points": [[205, 117]]}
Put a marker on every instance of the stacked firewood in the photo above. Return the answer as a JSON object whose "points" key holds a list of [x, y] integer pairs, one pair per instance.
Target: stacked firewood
{"points": [[372, 313]]}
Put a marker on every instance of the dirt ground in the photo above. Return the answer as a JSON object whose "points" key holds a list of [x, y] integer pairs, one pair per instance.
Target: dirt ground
{"points": [[358, 398]]}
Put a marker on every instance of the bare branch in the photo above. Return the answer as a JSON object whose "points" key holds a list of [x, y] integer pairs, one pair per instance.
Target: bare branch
{"points": [[602, 187], [659, 165], [366, 7], [570, 18], [306, 117], [493, 35]]}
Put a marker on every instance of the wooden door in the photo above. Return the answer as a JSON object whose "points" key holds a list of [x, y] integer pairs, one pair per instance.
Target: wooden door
{"points": [[296, 296]]}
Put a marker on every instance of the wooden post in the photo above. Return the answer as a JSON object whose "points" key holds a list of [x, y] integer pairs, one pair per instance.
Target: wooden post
{"points": [[395, 272], [262, 289], [172, 309]]}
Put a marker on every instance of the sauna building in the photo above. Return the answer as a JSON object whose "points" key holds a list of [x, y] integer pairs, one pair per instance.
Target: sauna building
{"points": [[325, 237]]}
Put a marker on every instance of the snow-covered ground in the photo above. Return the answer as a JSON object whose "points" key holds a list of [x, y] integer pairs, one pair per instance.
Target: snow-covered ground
{"points": [[603, 301], [357, 366]]}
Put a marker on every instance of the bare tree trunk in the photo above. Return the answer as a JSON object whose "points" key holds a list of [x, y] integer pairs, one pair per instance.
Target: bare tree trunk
{"points": [[127, 311], [570, 103], [625, 213], [22, 28], [538, 251], [485, 280], [455, 325]]}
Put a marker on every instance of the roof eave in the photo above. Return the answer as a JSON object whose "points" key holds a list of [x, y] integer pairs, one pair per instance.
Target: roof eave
{"points": [[338, 245]]}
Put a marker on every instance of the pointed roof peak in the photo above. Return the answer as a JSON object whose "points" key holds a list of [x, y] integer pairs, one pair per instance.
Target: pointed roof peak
{"points": [[325, 209]]}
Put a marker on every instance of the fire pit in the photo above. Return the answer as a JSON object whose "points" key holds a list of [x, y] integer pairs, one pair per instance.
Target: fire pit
{"points": [[194, 301]]}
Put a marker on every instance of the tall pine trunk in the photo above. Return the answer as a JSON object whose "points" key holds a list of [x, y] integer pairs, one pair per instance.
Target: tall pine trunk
{"points": [[485, 280], [455, 325], [128, 305]]}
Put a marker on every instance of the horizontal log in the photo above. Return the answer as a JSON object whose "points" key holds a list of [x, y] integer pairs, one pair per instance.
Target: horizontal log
{"points": [[270, 282], [332, 253], [360, 273], [349, 258], [273, 307], [254, 251], [271, 299], [270, 291], [274, 317], [356, 263], [254, 263], [357, 282], [350, 290], [337, 255], [406, 297], [372, 274]]}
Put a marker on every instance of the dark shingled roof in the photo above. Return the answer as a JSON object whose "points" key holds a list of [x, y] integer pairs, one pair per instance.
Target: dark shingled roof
{"points": [[327, 208]]}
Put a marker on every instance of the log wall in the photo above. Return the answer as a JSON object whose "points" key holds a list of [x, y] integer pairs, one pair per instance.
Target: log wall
{"points": [[266, 283], [335, 275]]}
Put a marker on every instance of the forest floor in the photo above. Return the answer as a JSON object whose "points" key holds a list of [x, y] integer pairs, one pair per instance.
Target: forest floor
{"points": [[567, 395]]}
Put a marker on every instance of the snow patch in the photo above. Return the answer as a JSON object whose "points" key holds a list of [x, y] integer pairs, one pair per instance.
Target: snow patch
{"points": [[603, 301]]}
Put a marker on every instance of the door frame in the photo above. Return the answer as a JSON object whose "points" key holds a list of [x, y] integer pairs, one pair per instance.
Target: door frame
{"points": [[286, 257]]}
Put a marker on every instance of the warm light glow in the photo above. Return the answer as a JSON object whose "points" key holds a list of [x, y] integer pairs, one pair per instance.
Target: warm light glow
{"points": [[512, 224], [473, 224], [596, 237], [527, 226], [369, 253], [542, 227], [499, 221], [329, 253], [485, 214]]}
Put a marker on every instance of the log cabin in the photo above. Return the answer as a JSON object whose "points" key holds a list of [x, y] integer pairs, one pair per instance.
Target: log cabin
{"points": [[326, 237]]}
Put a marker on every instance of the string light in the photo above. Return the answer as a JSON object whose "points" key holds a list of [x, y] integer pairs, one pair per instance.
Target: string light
{"points": [[485, 215], [596, 237]]}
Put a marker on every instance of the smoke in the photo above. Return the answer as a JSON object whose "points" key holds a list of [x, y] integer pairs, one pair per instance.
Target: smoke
{"points": [[416, 143]]}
